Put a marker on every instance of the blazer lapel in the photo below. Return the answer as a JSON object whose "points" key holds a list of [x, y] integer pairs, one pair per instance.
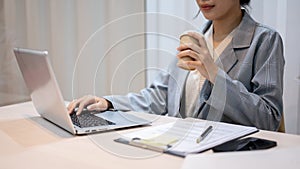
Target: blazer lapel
{"points": [[241, 40], [227, 59]]}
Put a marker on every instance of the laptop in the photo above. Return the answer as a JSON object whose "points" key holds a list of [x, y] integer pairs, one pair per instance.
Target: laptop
{"points": [[48, 101]]}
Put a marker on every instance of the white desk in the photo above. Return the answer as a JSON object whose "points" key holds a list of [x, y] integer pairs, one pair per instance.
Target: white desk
{"points": [[28, 141]]}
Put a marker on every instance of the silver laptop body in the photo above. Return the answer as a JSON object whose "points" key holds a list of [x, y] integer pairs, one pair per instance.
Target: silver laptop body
{"points": [[47, 98]]}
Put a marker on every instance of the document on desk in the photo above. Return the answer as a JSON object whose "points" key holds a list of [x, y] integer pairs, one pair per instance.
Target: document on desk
{"points": [[182, 137]]}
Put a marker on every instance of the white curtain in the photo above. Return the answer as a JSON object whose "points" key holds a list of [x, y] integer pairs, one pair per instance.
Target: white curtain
{"points": [[283, 15], [93, 44]]}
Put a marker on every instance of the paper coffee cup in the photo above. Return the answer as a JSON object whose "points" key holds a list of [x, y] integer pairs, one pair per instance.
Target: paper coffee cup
{"points": [[185, 39]]}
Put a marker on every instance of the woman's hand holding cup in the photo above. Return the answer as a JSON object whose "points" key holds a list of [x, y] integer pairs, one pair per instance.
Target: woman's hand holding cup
{"points": [[186, 39], [194, 54]]}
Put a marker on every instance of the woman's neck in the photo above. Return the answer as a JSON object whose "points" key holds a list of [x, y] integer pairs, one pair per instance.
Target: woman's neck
{"points": [[223, 27]]}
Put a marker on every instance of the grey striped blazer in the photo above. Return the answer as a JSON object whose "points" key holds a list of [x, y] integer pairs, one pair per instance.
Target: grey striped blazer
{"points": [[248, 88]]}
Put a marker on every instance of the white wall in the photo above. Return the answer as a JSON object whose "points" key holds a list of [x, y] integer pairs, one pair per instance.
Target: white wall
{"points": [[292, 85], [9, 75]]}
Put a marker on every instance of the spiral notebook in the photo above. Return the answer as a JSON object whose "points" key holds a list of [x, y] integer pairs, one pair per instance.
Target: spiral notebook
{"points": [[182, 137]]}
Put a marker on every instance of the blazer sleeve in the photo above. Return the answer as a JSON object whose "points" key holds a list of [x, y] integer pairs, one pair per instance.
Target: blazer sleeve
{"points": [[152, 99], [262, 104]]}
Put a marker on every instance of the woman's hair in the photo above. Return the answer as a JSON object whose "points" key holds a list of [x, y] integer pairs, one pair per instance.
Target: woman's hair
{"points": [[244, 3]]}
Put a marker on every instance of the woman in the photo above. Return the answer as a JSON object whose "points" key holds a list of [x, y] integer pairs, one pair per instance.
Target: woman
{"points": [[238, 76]]}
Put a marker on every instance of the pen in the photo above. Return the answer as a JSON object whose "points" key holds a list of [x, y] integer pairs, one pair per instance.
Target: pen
{"points": [[204, 134]]}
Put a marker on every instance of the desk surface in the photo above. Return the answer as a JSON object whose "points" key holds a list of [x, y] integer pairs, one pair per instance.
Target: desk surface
{"points": [[29, 141]]}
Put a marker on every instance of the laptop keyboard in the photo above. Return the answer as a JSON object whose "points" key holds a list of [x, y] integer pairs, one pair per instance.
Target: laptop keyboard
{"points": [[87, 119]]}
